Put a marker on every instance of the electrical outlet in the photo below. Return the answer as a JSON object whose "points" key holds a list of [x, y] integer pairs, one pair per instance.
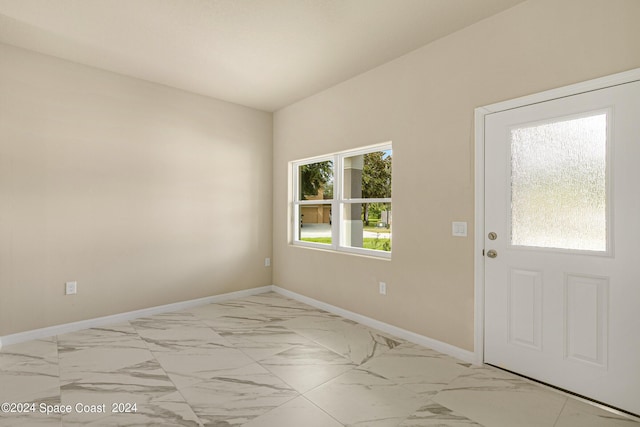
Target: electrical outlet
{"points": [[71, 288], [267, 262], [383, 288]]}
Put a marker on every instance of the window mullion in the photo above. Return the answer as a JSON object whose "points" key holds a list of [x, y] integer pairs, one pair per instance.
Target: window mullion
{"points": [[314, 202], [336, 229]]}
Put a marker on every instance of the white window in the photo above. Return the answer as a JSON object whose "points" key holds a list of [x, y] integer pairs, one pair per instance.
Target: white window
{"points": [[342, 201]]}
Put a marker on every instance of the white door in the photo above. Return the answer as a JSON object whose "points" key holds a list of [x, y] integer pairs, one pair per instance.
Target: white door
{"points": [[562, 195]]}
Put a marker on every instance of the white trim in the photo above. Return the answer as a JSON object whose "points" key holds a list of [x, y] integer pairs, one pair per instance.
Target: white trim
{"points": [[330, 250], [480, 113], [122, 317], [562, 92], [315, 245], [442, 347], [383, 146], [478, 264], [375, 253]]}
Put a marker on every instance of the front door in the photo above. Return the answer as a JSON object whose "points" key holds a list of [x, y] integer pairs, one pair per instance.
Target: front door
{"points": [[562, 243]]}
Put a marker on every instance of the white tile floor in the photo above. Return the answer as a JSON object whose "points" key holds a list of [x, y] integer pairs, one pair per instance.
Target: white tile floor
{"points": [[267, 361]]}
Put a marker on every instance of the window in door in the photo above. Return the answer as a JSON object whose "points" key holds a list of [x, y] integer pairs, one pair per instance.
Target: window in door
{"points": [[559, 184]]}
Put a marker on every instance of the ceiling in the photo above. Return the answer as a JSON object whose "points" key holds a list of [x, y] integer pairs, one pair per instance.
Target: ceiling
{"points": [[264, 54]]}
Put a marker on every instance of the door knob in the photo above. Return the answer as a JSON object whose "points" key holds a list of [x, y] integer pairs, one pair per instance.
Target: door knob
{"points": [[491, 253]]}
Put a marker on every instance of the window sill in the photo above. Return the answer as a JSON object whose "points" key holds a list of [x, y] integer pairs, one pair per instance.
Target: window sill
{"points": [[383, 256]]}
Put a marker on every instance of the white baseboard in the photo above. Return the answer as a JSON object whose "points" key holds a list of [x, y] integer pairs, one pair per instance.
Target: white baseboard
{"points": [[121, 317], [464, 355], [442, 347]]}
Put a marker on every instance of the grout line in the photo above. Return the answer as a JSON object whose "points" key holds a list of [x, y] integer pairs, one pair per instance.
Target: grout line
{"points": [[328, 414], [566, 400]]}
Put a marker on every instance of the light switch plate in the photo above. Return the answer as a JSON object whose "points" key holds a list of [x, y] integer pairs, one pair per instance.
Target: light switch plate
{"points": [[459, 229]]}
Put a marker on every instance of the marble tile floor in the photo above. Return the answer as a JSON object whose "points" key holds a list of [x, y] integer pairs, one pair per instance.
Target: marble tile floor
{"points": [[266, 361]]}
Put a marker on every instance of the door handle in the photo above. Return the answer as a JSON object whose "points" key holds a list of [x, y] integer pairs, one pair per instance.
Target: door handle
{"points": [[492, 253]]}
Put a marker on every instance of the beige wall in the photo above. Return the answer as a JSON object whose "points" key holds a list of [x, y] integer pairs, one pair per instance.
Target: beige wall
{"points": [[144, 194], [424, 102]]}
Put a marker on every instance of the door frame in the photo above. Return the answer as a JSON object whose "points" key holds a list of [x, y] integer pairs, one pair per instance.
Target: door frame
{"points": [[480, 113]]}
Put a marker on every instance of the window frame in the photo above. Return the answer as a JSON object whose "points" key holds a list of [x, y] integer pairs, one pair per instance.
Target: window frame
{"points": [[337, 203]]}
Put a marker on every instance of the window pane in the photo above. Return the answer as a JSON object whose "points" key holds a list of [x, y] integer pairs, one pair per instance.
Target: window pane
{"points": [[558, 184], [374, 233], [316, 181], [368, 175], [315, 223]]}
